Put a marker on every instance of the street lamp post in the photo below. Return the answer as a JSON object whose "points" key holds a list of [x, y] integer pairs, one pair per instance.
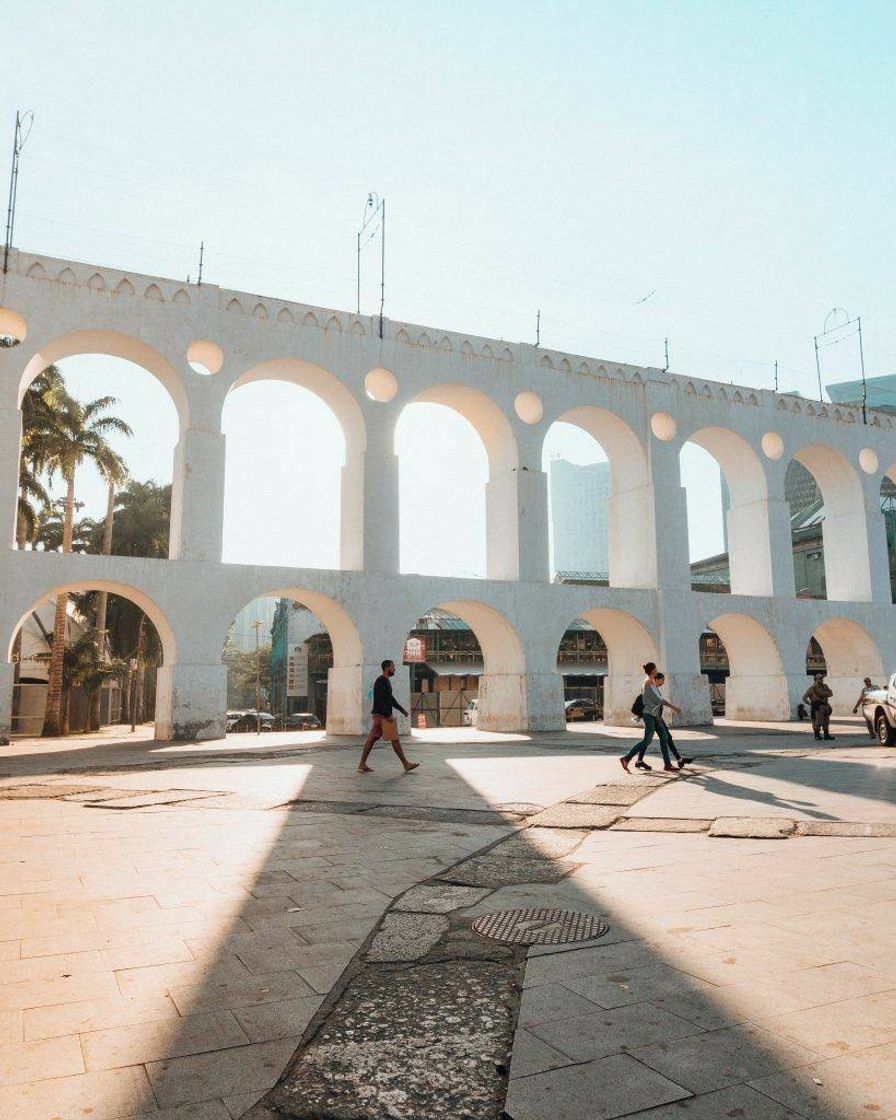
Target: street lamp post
{"points": [[257, 627], [847, 322], [132, 691]]}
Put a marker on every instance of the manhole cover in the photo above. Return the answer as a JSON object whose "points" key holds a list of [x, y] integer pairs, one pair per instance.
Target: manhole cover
{"points": [[540, 927]]}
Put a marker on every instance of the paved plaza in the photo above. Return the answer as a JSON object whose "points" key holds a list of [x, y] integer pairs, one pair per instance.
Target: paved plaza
{"points": [[174, 917]]}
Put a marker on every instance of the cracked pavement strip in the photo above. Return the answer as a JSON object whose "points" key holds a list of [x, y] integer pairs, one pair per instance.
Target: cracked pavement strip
{"points": [[421, 1023]]}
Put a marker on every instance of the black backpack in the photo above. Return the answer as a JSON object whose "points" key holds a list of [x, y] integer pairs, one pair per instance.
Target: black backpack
{"points": [[638, 706]]}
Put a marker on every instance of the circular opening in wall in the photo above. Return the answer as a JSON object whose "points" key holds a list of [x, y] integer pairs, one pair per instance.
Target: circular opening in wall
{"points": [[380, 385], [663, 426], [868, 460], [205, 357], [12, 327], [528, 407], [772, 445]]}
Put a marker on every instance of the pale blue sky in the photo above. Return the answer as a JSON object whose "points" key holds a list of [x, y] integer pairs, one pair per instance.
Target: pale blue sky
{"points": [[733, 159]]}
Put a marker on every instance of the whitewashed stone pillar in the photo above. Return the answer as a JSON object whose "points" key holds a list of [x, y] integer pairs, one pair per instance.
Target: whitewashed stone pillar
{"points": [[197, 496], [10, 450], [369, 527], [191, 701], [878, 557], [516, 513], [668, 520], [779, 536], [7, 676]]}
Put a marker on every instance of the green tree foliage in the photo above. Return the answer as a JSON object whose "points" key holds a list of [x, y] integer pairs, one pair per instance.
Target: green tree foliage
{"points": [[241, 675]]}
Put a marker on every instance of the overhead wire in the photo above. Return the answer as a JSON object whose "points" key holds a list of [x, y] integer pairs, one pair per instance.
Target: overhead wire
{"points": [[407, 239]]}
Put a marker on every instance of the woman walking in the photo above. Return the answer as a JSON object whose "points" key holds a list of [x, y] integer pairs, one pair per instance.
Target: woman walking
{"points": [[653, 703]]}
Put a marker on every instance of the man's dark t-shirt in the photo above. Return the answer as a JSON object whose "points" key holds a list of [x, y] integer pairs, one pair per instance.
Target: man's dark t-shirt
{"points": [[383, 700]]}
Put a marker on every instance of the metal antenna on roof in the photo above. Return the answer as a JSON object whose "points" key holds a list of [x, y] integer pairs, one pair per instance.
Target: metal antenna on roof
{"points": [[20, 135]]}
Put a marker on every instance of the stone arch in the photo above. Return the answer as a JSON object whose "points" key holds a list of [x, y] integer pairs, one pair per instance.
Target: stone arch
{"points": [[158, 617], [66, 276], [96, 283], [756, 688], [182, 296], [154, 292], [749, 542], [37, 271], [334, 393], [259, 311], [503, 694], [847, 563], [502, 492], [346, 691], [284, 315], [117, 345], [126, 591], [486, 417], [850, 654], [319, 381], [629, 644], [125, 288], [630, 548]]}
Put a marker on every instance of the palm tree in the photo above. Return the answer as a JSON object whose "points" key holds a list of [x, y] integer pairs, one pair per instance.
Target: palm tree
{"points": [[78, 435], [113, 469], [43, 397]]}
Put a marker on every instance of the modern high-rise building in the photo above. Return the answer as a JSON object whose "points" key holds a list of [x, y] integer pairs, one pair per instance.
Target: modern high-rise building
{"points": [[578, 496], [242, 631]]}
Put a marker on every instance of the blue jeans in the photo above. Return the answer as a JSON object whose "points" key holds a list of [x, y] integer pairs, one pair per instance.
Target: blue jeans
{"points": [[650, 729]]}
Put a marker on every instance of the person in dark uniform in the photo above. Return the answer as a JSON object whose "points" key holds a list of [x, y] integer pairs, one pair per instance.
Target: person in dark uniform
{"points": [[384, 726]]}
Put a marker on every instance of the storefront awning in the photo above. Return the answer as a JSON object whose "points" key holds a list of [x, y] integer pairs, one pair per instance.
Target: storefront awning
{"points": [[456, 668]]}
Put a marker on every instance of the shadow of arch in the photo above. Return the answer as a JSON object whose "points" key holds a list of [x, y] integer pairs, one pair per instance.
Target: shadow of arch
{"points": [[844, 529], [630, 548], [116, 345], [502, 488], [756, 688], [749, 543], [629, 644], [344, 679]]}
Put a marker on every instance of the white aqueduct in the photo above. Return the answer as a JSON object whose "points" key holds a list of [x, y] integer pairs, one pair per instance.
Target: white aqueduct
{"points": [[511, 394]]}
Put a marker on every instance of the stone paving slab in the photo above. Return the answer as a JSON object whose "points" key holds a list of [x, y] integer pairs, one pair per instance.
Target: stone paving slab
{"points": [[406, 937], [572, 815], [659, 824], [752, 828], [496, 871], [612, 794], [385, 1051], [599, 1090]]}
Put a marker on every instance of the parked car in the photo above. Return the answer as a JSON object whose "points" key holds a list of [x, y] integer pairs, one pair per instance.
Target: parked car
{"points": [[232, 719], [302, 721], [249, 721], [582, 709], [471, 713], [879, 710]]}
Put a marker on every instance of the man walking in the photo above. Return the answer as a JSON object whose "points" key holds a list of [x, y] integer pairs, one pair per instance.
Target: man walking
{"points": [[384, 726], [818, 697]]}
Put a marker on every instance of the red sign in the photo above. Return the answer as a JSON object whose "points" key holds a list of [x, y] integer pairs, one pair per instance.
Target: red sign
{"points": [[414, 650]]}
